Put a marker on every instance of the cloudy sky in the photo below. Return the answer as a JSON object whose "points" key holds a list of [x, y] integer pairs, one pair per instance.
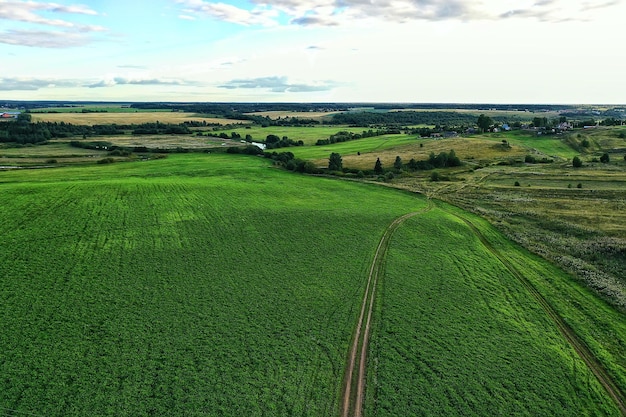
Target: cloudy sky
{"points": [[471, 51]]}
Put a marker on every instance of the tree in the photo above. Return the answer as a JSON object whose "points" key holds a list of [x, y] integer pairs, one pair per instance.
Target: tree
{"points": [[378, 167], [398, 163], [577, 162], [484, 122], [605, 159], [334, 162]]}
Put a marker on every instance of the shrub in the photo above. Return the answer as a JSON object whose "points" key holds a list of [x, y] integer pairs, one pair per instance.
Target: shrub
{"points": [[605, 159], [577, 162], [517, 183]]}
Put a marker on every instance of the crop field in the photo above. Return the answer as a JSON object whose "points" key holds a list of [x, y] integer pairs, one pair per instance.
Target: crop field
{"points": [[301, 115], [165, 141], [127, 118], [458, 334], [217, 284], [41, 155], [195, 285]]}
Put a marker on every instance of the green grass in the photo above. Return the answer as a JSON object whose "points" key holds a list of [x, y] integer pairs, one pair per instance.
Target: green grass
{"points": [[457, 334], [309, 135], [366, 145], [218, 285], [548, 145], [195, 285]]}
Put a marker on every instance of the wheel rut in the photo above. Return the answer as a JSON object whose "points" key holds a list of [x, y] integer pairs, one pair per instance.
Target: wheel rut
{"points": [[594, 365], [355, 371]]}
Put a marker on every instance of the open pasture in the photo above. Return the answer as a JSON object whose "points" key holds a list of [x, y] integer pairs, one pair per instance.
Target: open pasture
{"points": [[124, 118]]}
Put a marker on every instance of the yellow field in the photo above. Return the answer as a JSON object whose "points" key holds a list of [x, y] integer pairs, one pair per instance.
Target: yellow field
{"points": [[127, 118], [302, 115], [470, 150]]}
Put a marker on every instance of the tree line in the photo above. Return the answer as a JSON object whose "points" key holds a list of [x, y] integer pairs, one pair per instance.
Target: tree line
{"points": [[23, 131]]}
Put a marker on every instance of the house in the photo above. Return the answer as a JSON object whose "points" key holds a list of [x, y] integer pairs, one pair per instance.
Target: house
{"points": [[9, 115]]}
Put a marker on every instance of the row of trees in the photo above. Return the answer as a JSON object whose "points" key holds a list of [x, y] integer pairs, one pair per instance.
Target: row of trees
{"points": [[23, 131], [441, 160], [345, 136]]}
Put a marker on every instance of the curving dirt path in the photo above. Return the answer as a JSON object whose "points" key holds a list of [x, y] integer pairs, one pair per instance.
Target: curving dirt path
{"points": [[352, 398], [603, 376]]}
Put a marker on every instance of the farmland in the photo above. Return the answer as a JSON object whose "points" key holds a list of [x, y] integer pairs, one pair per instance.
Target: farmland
{"points": [[96, 118], [216, 284]]}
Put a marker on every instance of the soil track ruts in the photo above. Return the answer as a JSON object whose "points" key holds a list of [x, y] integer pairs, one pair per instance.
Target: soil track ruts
{"points": [[603, 376], [352, 399]]}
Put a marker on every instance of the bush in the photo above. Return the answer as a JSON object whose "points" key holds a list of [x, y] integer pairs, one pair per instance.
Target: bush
{"points": [[517, 183], [577, 162], [605, 159], [106, 161]]}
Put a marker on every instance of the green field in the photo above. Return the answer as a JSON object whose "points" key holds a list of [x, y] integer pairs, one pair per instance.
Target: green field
{"points": [[458, 334], [217, 285], [196, 285]]}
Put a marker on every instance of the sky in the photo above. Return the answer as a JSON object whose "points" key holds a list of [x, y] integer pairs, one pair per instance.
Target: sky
{"points": [[419, 51]]}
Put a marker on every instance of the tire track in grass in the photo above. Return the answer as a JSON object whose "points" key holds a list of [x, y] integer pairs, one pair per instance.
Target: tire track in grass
{"points": [[594, 365], [355, 372]]}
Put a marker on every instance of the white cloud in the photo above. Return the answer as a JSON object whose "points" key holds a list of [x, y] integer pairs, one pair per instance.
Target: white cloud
{"points": [[229, 13], [72, 34], [113, 81], [348, 12], [26, 11], [279, 84], [33, 84], [44, 39]]}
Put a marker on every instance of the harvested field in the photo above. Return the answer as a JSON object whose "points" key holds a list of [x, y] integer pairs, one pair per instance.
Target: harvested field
{"points": [[128, 118]]}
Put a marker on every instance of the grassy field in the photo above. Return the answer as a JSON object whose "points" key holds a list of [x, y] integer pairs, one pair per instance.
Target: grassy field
{"points": [[214, 284], [217, 285], [459, 335], [193, 285]]}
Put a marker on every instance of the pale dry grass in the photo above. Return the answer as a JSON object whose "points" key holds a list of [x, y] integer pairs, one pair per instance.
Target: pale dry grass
{"points": [[300, 115], [474, 151], [89, 119]]}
